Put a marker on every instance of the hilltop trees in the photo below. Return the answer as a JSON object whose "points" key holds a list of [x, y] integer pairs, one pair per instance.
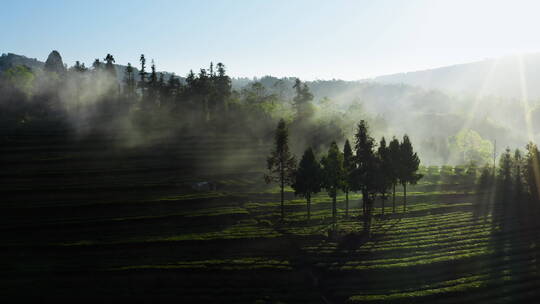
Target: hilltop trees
{"points": [[129, 82], [302, 100], [142, 78], [222, 88], [109, 65], [281, 163], [308, 178]]}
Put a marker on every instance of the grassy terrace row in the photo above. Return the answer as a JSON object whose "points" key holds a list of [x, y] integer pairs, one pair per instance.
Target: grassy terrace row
{"points": [[384, 281], [504, 279], [479, 272], [242, 230], [222, 264]]}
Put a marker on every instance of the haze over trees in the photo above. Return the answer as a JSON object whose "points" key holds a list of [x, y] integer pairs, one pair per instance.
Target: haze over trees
{"points": [[331, 112]]}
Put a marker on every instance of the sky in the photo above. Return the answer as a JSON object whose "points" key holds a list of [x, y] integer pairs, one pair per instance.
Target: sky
{"points": [[310, 39]]}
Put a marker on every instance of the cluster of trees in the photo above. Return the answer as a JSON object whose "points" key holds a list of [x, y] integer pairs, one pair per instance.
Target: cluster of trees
{"points": [[155, 93], [107, 98], [513, 188], [510, 192], [372, 171]]}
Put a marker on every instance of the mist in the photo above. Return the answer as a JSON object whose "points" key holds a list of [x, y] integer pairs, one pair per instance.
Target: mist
{"points": [[446, 127]]}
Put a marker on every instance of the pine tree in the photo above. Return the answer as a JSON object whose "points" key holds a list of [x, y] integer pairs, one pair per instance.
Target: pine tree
{"points": [[172, 88], [532, 171], [364, 174], [384, 172], [79, 67], [129, 82], [308, 178], [109, 65], [518, 182], [409, 163], [161, 89], [281, 163], [223, 86], [394, 164], [153, 85], [348, 168], [333, 174], [142, 78]]}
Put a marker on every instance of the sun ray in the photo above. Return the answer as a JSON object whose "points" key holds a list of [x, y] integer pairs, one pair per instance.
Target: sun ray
{"points": [[476, 103], [527, 114]]}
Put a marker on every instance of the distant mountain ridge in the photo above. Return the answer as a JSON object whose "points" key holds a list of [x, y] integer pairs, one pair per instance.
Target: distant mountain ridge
{"points": [[513, 77], [509, 77]]}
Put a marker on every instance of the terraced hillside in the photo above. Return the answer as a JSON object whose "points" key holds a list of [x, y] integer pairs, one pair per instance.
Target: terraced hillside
{"points": [[91, 220]]}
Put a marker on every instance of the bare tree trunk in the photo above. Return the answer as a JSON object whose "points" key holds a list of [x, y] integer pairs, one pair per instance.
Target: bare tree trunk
{"points": [[363, 207], [382, 205], [282, 199], [367, 217], [365, 198], [309, 207], [404, 196], [347, 203], [394, 198], [334, 207]]}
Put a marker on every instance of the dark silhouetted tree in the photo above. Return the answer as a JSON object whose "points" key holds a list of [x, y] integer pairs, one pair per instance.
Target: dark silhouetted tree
{"points": [[532, 171], [153, 85], [364, 179], [409, 163], [384, 172], [333, 174], [109, 65], [308, 178], [395, 163], [281, 163], [79, 67], [348, 168], [222, 86], [142, 78], [518, 178], [129, 81]]}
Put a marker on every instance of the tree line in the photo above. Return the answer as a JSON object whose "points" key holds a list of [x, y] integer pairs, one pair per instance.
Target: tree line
{"points": [[147, 101], [365, 168]]}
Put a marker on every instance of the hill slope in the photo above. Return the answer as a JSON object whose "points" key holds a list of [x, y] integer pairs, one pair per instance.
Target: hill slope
{"points": [[506, 77]]}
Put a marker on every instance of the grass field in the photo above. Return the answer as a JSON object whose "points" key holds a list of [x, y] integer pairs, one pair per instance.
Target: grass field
{"points": [[89, 221]]}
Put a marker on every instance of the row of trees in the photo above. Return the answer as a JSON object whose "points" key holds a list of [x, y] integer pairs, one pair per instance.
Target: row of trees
{"points": [[513, 187], [510, 193], [372, 171]]}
